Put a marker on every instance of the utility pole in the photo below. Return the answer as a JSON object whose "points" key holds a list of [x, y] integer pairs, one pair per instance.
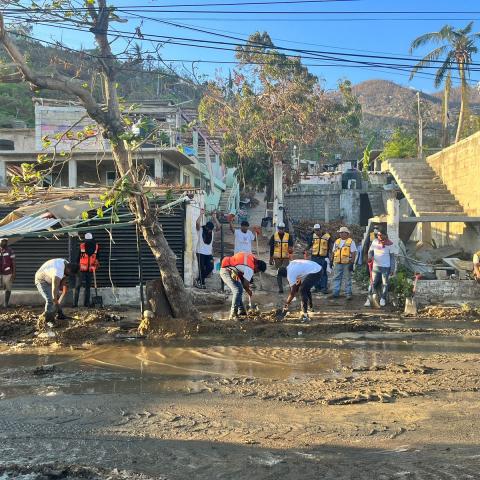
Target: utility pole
{"points": [[420, 129]]}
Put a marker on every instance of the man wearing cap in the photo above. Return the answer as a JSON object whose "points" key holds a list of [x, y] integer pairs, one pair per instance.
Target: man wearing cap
{"points": [[7, 269], [344, 255], [320, 245], [281, 249], [302, 275], [205, 247], [237, 273], [88, 261]]}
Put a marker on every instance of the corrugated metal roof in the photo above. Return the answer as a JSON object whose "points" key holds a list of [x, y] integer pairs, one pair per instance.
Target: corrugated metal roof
{"points": [[26, 225]]}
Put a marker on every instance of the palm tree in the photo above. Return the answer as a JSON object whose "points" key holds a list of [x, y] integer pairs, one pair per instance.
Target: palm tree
{"points": [[456, 49]]}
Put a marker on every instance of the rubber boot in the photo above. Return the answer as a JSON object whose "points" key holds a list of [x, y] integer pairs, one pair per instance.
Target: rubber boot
{"points": [[7, 297], [280, 284], [76, 297]]}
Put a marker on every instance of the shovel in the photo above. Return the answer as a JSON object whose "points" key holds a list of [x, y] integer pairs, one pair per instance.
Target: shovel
{"points": [[97, 300], [258, 255]]}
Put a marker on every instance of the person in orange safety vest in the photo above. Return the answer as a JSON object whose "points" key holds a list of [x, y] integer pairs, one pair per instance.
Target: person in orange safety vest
{"points": [[88, 261]]}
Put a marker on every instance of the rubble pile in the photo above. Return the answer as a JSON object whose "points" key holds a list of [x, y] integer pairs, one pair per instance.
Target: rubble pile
{"points": [[450, 313], [17, 323], [303, 229]]}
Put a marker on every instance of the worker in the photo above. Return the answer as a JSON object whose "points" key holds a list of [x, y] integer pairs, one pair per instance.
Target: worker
{"points": [[320, 247], [381, 254], [205, 247], [302, 275], [237, 272], [281, 249], [243, 237], [476, 266], [50, 278], [368, 241], [7, 269], [344, 255], [89, 263]]}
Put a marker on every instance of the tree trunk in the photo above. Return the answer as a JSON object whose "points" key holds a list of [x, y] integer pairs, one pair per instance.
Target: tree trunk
{"points": [[178, 297], [446, 99], [463, 103]]}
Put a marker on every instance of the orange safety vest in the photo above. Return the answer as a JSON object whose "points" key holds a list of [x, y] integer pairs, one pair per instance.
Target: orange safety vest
{"points": [[240, 258], [88, 263]]}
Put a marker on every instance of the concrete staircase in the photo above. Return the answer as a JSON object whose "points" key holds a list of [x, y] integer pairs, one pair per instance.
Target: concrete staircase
{"points": [[424, 190], [223, 204], [376, 202]]}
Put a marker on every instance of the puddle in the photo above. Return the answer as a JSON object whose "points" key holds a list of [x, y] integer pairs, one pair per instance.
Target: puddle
{"points": [[177, 366]]}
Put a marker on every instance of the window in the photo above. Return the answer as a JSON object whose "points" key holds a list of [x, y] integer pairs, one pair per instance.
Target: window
{"points": [[197, 183], [186, 179], [110, 177]]}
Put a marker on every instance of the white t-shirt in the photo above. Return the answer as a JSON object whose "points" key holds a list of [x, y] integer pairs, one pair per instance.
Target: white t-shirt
{"points": [[476, 259], [300, 269], [381, 254], [353, 247], [247, 271], [202, 247], [51, 269], [243, 241]]}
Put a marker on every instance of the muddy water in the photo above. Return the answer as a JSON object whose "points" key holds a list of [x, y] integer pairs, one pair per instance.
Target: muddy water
{"points": [[177, 366]]}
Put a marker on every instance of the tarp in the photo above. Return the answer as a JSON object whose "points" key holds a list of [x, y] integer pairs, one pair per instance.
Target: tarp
{"points": [[26, 225]]}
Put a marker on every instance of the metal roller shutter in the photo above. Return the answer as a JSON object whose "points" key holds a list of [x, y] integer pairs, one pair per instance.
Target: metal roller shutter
{"points": [[122, 258]]}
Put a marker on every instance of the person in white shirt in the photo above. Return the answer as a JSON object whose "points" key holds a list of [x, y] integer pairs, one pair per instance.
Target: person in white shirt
{"points": [[205, 247], [381, 259], [302, 276], [243, 237], [476, 266], [49, 280], [344, 255]]}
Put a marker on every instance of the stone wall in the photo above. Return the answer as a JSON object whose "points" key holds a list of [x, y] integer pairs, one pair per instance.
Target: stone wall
{"points": [[447, 291], [459, 168]]}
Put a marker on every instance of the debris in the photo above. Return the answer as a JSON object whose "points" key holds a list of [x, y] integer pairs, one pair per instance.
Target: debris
{"points": [[44, 370], [450, 313]]}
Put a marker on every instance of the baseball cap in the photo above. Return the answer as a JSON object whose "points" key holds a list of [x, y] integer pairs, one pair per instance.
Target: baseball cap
{"points": [[281, 225], [343, 230], [316, 226], [88, 236]]}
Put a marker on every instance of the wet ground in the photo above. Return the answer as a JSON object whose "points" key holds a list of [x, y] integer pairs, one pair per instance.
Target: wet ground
{"points": [[356, 395]]}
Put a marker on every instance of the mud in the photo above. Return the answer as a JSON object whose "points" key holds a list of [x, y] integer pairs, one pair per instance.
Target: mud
{"points": [[355, 394]]}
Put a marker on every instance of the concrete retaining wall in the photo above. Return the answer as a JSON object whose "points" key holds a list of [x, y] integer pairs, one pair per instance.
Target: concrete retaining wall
{"points": [[459, 168], [447, 291], [324, 206]]}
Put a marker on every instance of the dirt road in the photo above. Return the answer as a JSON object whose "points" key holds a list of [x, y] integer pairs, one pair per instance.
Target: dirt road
{"points": [[381, 398]]}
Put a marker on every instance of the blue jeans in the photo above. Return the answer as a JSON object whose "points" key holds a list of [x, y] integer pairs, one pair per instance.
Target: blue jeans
{"points": [[45, 290], [340, 272], [380, 275], [235, 286], [323, 282]]}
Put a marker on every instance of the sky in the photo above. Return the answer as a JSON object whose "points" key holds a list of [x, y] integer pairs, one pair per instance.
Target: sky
{"points": [[343, 32]]}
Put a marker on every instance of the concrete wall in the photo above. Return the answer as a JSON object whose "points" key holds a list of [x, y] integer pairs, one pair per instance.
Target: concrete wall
{"points": [[459, 168], [321, 206], [23, 138], [447, 291]]}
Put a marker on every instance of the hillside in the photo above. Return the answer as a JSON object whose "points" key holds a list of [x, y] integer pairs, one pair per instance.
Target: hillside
{"points": [[138, 79]]}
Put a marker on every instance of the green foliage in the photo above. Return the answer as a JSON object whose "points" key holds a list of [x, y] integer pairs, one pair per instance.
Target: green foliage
{"points": [[401, 286], [15, 104], [366, 158], [402, 144], [361, 276]]}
